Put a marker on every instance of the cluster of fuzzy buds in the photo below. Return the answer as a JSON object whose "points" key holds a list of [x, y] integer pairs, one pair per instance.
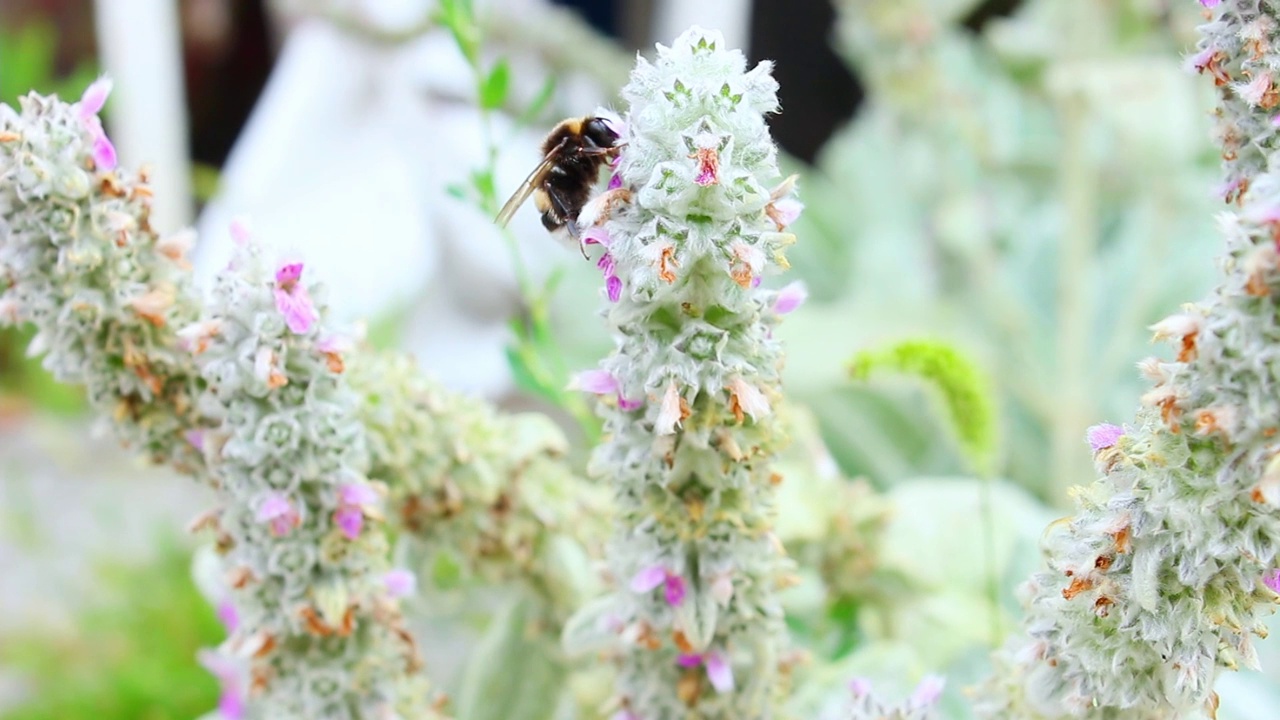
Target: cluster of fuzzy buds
{"points": [[1240, 50], [1166, 572], [922, 705], [316, 631], [489, 490], [80, 261], [687, 396]]}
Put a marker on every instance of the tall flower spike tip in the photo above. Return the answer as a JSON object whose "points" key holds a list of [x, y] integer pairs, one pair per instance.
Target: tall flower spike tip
{"points": [[699, 232]]}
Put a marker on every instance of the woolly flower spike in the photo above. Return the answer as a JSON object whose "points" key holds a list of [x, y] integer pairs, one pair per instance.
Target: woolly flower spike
{"points": [[302, 548], [1169, 560], [81, 263], [922, 705], [696, 232], [1236, 49]]}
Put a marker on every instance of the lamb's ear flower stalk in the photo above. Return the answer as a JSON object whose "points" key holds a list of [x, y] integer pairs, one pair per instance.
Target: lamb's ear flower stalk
{"points": [[300, 525], [1165, 573], [688, 393], [80, 261]]}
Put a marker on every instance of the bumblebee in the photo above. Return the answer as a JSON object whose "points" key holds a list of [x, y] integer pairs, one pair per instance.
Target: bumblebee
{"points": [[573, 154]]}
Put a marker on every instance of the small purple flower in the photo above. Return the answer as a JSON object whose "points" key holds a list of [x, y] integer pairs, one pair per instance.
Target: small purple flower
{"points": [[1104, 436], [240, 233], [1271, 579], [277, 510], [352, 500], [648, 579], [597, 235], [292, 299], [629, 405], [615, 181], [790, 298], [928, 692], [400, 583], [1210, 3], [196, 439], [719, 672]]}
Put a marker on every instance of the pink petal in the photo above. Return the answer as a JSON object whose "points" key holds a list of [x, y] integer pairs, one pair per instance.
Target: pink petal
{"points": [[288, 273], [605, 263], [596, 235], [231, 704], [718, 671], [104, 153], [299, 313], [928, 691], [228, 615], [95, 96], [196, 439], [1275, 120], [689, 661], [628, 405], [787, 211], [615, 181], [675, 590], [1104, 436], [400, 583], [648, 579], [1210, 3], [1271, 579], [240, 234], [350, 520], [220, 666], [860, 687], [613, 286], [275, 505], [357, 494], [596, 382], [790, 298], [335, 344]]}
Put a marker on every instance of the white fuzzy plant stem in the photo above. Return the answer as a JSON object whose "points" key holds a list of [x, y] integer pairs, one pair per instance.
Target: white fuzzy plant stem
{"points": [[1166, 571], [690, 228]]}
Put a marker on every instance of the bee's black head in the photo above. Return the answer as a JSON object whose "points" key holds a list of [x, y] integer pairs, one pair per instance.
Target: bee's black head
{"points": [[597, 130]]}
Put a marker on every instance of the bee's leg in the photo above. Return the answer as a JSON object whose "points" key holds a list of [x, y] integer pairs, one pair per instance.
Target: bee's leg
{"points": [[570, 220]]}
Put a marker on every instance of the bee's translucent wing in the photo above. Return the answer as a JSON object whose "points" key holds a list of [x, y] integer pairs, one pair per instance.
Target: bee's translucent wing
{"points": [[527, 187]]}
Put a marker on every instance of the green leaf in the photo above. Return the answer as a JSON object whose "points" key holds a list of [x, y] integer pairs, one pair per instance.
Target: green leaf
{"points": [[446, 572], [539, 102], [966, 394], [493, 89], [512, 674]]}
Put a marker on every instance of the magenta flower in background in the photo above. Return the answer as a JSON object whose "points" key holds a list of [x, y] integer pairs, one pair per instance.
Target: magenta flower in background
{"points": [[596, 382], [278, 511], [860, 687], [1104, 436], [1210, 3], [292, 299]]}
